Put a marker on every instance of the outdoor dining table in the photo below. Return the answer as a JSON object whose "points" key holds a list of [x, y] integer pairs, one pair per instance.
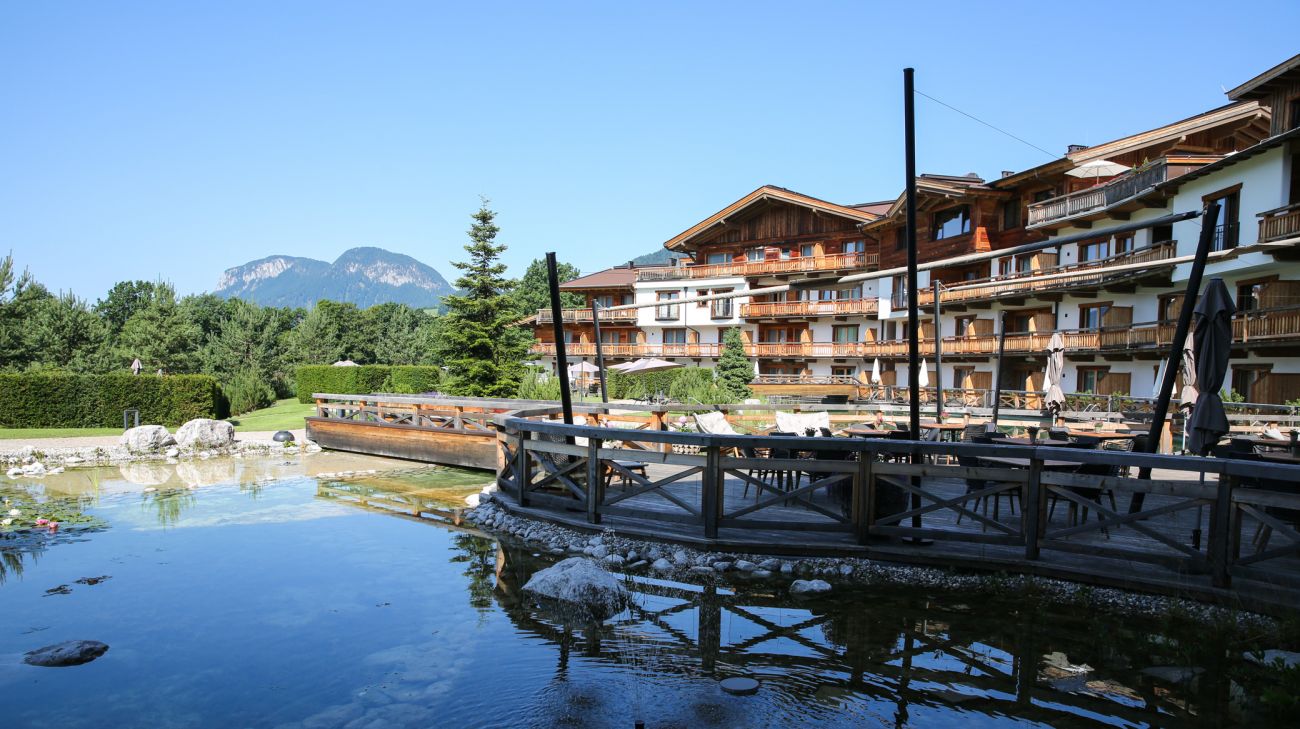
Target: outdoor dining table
{"points": [[1027, 442], [1280, 458], [865, 432], [1024, 462], [1102, 434]]}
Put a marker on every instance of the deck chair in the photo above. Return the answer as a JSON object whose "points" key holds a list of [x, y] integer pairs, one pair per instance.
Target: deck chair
{"points": [[803, 423]]}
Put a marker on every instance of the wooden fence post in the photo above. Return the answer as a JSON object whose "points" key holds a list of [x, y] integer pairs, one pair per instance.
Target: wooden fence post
{"points": [[594, 481], [521, 469], [1220, 546], [863, 496], [1031, 510], [710, 498]]}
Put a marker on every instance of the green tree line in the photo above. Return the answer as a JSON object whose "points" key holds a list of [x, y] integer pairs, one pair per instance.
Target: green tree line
{"points": [[253, 350]]}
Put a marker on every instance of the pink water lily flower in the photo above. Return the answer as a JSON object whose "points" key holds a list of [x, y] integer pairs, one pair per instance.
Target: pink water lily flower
{"points": [[42, 522], [54, 526]]}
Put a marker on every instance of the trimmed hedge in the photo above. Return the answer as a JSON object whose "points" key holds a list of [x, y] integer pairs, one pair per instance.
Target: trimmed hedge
{"points": [[58, 400], [365, 379]]}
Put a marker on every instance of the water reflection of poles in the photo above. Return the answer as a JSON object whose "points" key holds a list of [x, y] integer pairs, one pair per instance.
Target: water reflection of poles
{"points": [[710, 629], [905, 677]]}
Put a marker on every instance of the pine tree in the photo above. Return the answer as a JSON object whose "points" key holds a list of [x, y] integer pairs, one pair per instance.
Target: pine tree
{"points": [[534, 289], [160, 336], [483, 349], [734, 368]]}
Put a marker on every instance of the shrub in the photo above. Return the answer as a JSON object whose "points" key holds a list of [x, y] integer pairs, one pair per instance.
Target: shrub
{"points": [[246, 392], [538, 385], [685, 384], [59, 400], [365, 379]]}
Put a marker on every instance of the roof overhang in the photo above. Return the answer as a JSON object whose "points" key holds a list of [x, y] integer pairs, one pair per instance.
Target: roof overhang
{"points": [[764, 195]]}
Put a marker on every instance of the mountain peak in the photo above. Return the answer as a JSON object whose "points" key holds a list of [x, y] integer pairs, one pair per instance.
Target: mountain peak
{"points": [[364, 276]]}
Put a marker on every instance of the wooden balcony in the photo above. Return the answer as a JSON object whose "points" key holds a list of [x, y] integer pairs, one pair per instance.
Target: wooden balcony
{"points": [[808, 309], [1076, 275], [583, 316], [1120, 193], [1279, 224], [802, 264]]}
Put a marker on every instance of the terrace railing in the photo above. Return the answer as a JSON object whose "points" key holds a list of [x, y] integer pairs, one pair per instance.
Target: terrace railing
{"points": [[777, 309], [580, 316], [1093, 199], [1280, 223]]}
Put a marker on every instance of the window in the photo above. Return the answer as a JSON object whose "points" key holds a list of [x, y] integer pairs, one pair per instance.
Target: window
{"points": [[855, 246], [853, 294], [787, 254], [716, 259], [666, 311], [1004, 266], [889, 331], [720, 308], [1042, 195], [1123, 244], [1094, 251], [1248, 296], [1018, 321], [1090, 379], [1225, 227], [674, 336], [604, 301], [755, 254], [964, 326], [1292, 114], [900, 291], [961, 377], [611, 336], [1092, 316], [571, 337], [1011, 214], [845, 333], [951, 223], [1024, 264], [807, 250], [844, 371], [900, 238]]}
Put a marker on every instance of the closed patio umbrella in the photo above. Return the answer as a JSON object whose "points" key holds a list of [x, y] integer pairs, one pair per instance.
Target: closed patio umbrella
{"points": [[923, 377], [1053, 395], [136, 367], [1213, 347], [876, 379], [1187, 398]]}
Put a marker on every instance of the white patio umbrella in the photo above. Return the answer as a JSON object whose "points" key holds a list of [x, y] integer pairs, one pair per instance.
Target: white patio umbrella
{"points": [[649, 364], [583, 368], [345, 363], [136, 367], [1187, 398], [876, 379], [1053, 395], [923, 377], [1097, 169]]}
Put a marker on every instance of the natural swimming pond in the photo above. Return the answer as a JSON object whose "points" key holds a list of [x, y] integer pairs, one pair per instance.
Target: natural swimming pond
{"points": [[272, 592]]}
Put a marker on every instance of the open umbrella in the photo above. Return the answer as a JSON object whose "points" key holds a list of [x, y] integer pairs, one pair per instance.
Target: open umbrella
{"points": [[345, 363], [1213, 347], [1097, 169], [650, 364], [1053, 395], [582, 368]]}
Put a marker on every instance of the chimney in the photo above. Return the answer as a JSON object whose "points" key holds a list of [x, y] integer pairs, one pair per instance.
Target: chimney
{"points": [[1075, 148], [1008, 173]]}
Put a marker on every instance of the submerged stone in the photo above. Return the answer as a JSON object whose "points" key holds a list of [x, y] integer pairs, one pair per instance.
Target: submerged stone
{"points": [[809, 587], [70, 653], [581, 586]]}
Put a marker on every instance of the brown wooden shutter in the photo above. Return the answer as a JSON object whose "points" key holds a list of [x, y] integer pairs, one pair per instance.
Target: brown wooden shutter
{"points": [[1117, 316]]}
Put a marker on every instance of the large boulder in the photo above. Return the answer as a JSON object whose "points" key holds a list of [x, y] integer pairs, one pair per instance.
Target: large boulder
{"points": [[581, 587], [205, 433], [70, 653], [146, 439]]}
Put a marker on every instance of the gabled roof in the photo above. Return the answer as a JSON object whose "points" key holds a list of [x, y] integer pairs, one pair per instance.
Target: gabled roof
{"points": [[1232, 113], [618, 277], [764, 194], [1260, 86], [950, 187], [1232, 159]]}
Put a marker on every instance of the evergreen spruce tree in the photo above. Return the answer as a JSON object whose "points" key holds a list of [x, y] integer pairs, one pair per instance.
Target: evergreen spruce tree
{"points": [[734, 368], [483, 349], [160, 336]]}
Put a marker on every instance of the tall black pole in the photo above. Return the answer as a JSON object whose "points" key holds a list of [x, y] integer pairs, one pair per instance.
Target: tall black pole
{"points": [[997, 371], [913, 343], [600, 352], [1208, 219], [561, 356], [938, 355]]}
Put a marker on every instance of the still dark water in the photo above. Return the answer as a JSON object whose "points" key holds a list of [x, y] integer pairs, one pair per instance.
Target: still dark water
{"points": [[249, 602]]}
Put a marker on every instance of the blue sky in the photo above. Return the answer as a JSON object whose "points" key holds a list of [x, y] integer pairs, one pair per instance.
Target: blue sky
{"points": [[174, 140]]}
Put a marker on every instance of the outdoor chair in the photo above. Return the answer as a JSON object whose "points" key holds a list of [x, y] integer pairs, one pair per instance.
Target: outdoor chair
{"points": [[977, 484], [801, 423], [1058, 434], [840, 492], [785, 480]]}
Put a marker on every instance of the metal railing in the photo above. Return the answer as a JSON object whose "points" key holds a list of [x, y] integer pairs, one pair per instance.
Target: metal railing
{"points": [[1101, 197]]}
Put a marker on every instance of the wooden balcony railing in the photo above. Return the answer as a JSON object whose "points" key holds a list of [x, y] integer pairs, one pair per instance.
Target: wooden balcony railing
{"points": [[864, 306], [1278, 224], [834, 262], [580, 316], [1088, 273], [1101, 197]]}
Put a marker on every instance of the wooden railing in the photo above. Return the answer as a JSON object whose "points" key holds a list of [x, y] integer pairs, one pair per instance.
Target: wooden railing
{"points": [[833, 262], [1087, 273], [1101, 197], [574, 316], [864, 306], [1190, 528], [1279, 224]]}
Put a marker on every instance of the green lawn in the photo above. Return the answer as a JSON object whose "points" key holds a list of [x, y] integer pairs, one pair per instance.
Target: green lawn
{"points": [[283, 415]]}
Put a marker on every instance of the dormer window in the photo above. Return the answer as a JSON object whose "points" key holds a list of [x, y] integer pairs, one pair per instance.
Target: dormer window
{"points": [[951, 223]]}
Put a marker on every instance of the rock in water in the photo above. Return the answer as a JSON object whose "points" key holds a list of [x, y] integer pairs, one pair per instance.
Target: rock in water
{"points": [[71, 653], [581, 586], [146, 439], [205, 433], [809, 587]]}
